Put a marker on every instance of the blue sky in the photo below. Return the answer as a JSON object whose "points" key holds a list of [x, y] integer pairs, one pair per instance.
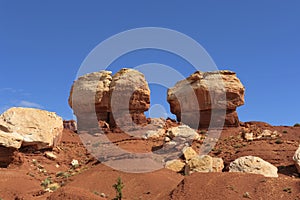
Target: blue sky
{"points": [[43, 43]]}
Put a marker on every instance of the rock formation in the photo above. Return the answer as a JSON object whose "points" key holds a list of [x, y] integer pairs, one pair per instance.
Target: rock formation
{"points": [[113, 99], [30, 127], [255, 165], [206, 96], [90, 93], [70, 124], [296, 159]]}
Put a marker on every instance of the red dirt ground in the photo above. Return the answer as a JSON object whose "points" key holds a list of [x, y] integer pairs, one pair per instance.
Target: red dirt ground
{"points": [[23, 177]]}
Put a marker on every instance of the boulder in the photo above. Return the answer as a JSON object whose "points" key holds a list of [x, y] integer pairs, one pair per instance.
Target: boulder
{"points": [[204, 163], [39, 129], [296, 159], [182, 132], [204, 96], [254, 165], [189, 153], [175, 165], [114, 99]]}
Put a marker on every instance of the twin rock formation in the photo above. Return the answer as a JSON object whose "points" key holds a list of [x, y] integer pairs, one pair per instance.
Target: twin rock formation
{"points": [[99, 96], [204, 99]]}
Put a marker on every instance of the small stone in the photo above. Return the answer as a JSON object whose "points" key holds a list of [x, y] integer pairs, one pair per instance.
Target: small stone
{"points": [[50, 155], [248, 136], [103, 195], [167, 139], [75, 163]]}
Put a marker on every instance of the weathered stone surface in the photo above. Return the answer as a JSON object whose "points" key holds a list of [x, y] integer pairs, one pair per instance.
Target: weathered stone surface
{"points": [[120, 100], [175, 165], [195, 99], [217, 165], [255, 165], [90, 93], [204, 163], [182, 131], [30, 127], [154, 133], [296, 159], [189, 153]]}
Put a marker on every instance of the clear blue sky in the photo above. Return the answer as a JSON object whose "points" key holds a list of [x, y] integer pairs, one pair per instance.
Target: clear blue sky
{"points": [[43, 43]]}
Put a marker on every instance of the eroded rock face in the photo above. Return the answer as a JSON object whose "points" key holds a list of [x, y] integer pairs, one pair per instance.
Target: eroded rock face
{"points": [[114, 99], [70, 124], [203, 94], [255, 165], [90, 93], [30, 127], [129, 97], [296, 159]]}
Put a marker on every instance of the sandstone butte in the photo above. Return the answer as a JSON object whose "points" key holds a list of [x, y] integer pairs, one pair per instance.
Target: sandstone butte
{"points": [[203, 99], [114, 99], [207, 99]]}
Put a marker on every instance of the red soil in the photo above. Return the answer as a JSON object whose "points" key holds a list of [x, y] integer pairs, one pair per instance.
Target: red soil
{"points": [[23, 177]]}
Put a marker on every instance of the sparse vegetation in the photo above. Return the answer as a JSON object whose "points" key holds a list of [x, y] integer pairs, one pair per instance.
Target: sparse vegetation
{"points": [[285, 131], [46, 182], [118, 187], [63, 174]]}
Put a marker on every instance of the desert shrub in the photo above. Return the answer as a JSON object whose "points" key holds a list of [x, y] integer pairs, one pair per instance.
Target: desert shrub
{"points": [[118, 187], [46, 182]]}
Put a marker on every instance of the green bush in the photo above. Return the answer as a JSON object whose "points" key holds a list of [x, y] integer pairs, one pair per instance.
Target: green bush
{"points": [[118, 187]]}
